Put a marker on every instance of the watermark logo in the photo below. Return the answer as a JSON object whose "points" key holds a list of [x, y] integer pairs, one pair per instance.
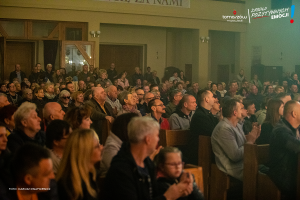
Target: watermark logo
{"points": [[234, 17]]}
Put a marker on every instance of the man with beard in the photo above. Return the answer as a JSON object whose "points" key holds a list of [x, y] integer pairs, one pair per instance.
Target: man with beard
{"points": [[157, 108]]}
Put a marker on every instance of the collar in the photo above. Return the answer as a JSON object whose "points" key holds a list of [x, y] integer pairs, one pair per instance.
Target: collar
{"points": [[204, 110], [294, 130], [160, 120], [113, 100], [182, 115]]}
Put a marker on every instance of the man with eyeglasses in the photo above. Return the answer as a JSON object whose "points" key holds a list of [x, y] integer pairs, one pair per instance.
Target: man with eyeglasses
{"points": [[157, 108], [182, 117], [144, 108], [175, 97], [140, 93]]}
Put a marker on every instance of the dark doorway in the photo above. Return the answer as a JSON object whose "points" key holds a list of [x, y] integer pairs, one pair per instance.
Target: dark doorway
{"points": [[223, 73], [188, 72]]}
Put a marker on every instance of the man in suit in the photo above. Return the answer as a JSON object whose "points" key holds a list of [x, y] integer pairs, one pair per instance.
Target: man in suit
{"points": [[100, 109], [17, 74], [228, 140]]}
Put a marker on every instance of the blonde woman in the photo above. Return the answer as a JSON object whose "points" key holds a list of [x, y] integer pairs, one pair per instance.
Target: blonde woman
{"points": [[103, 77], [77, 98], [76, 176]]}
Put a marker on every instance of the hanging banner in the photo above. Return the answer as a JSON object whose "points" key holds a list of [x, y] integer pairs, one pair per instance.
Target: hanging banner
{"points": [[173, 3]]}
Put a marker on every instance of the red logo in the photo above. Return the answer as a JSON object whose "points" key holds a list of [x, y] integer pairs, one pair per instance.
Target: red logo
{"points": [[234, 12]]}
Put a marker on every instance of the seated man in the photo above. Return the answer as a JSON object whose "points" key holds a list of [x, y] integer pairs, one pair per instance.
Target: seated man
{"points": [[228, 140], [251, 118], [3, 100], [100, 109], [12, 96], [112, 94], [144, 108], [203, 123], [52, 111], [157, 108], [174, 97], [284, 147], [182, 117], [28, 128], [132, 173], [32, 168]]}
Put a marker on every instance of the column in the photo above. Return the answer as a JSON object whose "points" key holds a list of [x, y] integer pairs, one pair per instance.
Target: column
{"points": [[94, 26], [203, 74]]}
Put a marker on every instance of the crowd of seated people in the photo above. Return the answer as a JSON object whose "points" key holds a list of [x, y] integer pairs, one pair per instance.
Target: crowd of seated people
{"points": [[51, 130]]}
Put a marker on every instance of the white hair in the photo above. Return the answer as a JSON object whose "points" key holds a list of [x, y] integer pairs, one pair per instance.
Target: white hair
{"points": [[23, 113], [64, 93], [140, 127]]}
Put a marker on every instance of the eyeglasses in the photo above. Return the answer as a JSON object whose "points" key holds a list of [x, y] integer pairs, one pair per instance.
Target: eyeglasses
{"points": [[66, 97], [28, 93], [160, 105], [175, 164]]}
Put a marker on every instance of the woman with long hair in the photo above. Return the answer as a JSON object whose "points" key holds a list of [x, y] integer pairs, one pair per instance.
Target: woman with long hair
{"points": [[79, 117], [76, 176], [122, 81], [274, 114]]}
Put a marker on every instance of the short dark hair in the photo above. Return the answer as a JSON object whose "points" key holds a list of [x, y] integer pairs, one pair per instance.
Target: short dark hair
{"points": [[202, 94], [281, 95], [27, 157], [7, 112], [56, 130], [119, 126], [68, 83], [8, 84], [229, 107], [152, 86], [184, 99], [172, 94], [150, 104], [248, 103]]}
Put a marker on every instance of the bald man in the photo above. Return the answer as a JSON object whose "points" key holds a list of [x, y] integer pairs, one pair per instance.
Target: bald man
{"points": [[3, 100], [284, 150], [112, 94], [100, 110], [52, 111]]}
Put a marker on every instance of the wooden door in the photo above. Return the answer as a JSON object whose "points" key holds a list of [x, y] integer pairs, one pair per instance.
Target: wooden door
{"points": [[125, 57], [223, 73], [19, 53], [2, 55], [259, 70], [188, 72], [273, 73]]}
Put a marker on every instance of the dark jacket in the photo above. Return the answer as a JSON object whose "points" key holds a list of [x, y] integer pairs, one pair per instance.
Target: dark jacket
{"points": [[164, 183], [247, 126], [148, 77], [143, 109], [14, 100], [111, 74], [6, 178], [40, 104], [98, 115], [125, 180], [34, 77], [49, 75], [65, 109], [135, 77], [18, 138], [13, 75], [203, 123], [83, 77], [283, 164], [63, 195], [265, 134], [257, 99]]}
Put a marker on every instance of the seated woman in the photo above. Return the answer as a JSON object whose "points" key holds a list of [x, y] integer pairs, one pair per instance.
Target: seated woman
{"points": [[243, 92], [115, 139], [122, 81], [128, 103], [64, 100], [27, 96], [103, 77], [7, 117], [274, 113], [76, 176], [79, 117], [214, 90], [170, 171], [77, 98]]}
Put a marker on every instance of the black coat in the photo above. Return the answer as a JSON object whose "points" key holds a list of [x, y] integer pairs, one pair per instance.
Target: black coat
{"points": [[156, 79], [112, 74], [49, 75], [203, 123], [13, 75], [257, 99], [125, 181], [34, 77], [265, 134], [247, 126], [163, 184], [135, 77], [283, 153], [18, 138]]}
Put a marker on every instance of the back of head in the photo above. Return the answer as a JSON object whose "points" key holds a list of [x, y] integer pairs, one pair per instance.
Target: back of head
{"points": [[140, 127], [26, 159], [7, 112], [75, 116], [248, 103], [273, 115], [202, 94], [289, 107], [56, 130], [120, 124], [229, 107], [184, 99]]}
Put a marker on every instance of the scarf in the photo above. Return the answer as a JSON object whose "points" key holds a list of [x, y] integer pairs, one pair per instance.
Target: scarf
{"points": [[133, 110]]}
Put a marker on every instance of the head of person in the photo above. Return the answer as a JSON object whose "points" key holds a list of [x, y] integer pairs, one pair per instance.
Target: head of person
{"points": [[102, 74], [85, 68], [220, 87], [148, 97], [279, 89], [17, 67], [64, 97], [295, 76], [274, 111], [112, 92], [92, 68], [244, 91], [11, 87], [26, 118], [284, 97], [81, 153], [62, 86], [49, 67], [269, 89], [291, 113], [169, 162], [79, 117], [140, 93], [3, 137], [32, 167], [88, 95], [284, 84], [62, 71], [148, 69], [49, 88], [27, 94], [70, 87], [78, 97], [57, 134], [120, 89], [240, 99], [56, 90], [232, 108], [175, 96], [123, 75], [137, 70], [188, 102], [120, 125], [138, 82], [255, 77], [214, 87], [7, 116], [216, 107], [3, 87], [179, 86], [154, 73], [206, 99], [52, 111], [126, 99], [144, 132], [156, 94], [294, 88], [250, 107], [156, 106], [254, 89], [81, 85], [242, 72], [3, 100], [99, 94], [57, 72], [24, 86], [175, 74]]}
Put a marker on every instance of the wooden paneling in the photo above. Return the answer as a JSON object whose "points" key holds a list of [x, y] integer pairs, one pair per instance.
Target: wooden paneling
{"points": [[19, 53], [2, 55], [125, 57], [188, 72], [223, 73]]}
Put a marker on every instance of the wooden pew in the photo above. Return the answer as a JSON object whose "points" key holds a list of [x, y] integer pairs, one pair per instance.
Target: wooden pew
{"points": [[177, 138], [216, 183]]}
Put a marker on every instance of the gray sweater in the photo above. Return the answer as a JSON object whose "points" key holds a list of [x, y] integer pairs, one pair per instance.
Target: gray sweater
{"points": [[180, 121]]}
